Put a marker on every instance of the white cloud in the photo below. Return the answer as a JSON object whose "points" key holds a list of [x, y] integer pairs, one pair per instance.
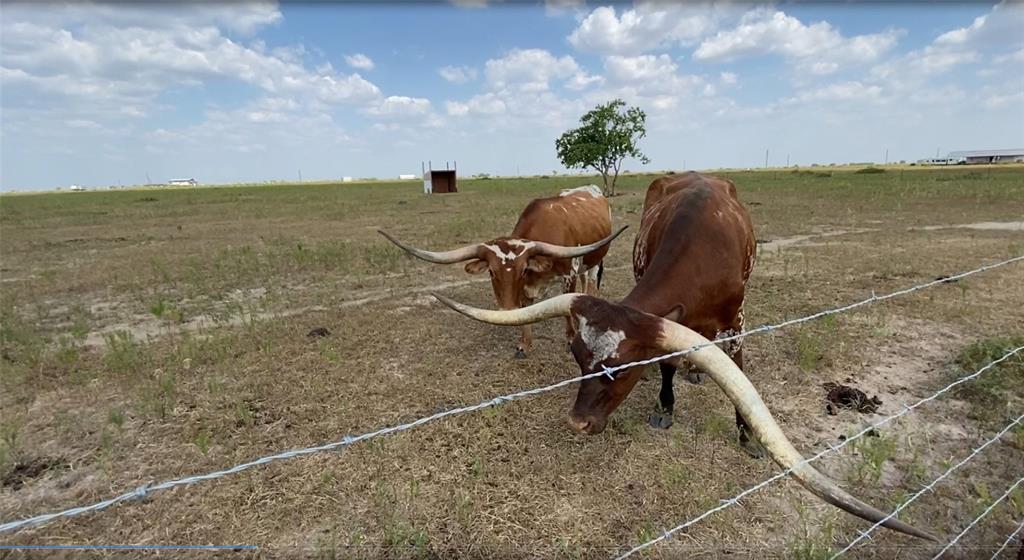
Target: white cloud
{"points": [[359, 61], [111, 64], [485, 104], [645, 27], [817, 48], [728, 78], [1001, 26], [847, 91], [458, 74], [640, 68], [400, 106], [529, 70]]}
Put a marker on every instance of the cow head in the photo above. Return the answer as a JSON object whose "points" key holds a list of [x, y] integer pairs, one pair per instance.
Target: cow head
{"points": [[515, 265], [610, 334]]}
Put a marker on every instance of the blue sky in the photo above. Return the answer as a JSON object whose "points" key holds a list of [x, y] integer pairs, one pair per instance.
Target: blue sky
{"points": [[99, 94]]}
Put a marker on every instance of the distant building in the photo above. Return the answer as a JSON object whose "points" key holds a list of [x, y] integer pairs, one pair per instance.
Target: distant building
{"points": [[346, 179], [183, 182], [988, 156], [936, 161], [406, 177], [76, 188]]}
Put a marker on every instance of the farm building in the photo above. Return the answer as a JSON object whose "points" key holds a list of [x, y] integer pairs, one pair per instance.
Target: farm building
{"points": [[407, 177], [183, 182], [988, 156], [440, 181]]}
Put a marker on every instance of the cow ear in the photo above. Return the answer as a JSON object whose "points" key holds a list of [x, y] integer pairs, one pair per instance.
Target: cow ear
{"points": [[476, 266], [675, 314], [539, 263]]}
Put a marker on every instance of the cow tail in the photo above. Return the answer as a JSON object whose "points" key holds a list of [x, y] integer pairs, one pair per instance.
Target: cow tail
{"points": [[600, 274]]}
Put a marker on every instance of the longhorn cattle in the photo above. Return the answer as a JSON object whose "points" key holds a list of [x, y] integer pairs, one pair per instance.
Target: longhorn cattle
{"points": [[692, 258], [564, 236]]}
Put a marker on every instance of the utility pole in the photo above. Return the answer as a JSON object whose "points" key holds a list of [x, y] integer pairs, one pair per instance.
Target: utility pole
{"points": [[148, 180], [300, 174], [887, 156], [787, 160], [766, 158]]}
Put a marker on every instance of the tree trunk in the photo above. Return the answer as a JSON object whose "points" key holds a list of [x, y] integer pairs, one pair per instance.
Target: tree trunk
{"points": [[609, 190]]}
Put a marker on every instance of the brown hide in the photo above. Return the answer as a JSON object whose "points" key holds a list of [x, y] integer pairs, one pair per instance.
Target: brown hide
{"points": [[579, 218], [695, 249]]}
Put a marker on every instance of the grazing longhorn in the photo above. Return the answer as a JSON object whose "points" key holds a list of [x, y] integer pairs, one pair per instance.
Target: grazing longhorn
{"points": [[692, 258], [564, 236]]}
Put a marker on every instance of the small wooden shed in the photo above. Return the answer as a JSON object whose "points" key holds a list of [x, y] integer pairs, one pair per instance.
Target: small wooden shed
{"points": [[440, 180]]}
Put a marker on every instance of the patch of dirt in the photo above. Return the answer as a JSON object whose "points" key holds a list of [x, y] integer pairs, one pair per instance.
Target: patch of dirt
{"points": [[775, 245], [984, 226], [26, 471]]}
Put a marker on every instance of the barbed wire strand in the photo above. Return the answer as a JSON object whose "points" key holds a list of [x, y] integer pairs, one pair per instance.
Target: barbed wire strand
{"points": [[1008, 540], [928, 488], [832, 448], [978, 519], [144, 490]]}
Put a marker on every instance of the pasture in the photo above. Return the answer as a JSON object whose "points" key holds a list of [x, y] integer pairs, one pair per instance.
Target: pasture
{"points": [[154, 334]]}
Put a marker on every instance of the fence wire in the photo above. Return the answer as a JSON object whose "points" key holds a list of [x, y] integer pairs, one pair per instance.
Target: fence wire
{"points": [[732, 501], [145, 490], [928, 488], [979, 518], [1009, 539]]}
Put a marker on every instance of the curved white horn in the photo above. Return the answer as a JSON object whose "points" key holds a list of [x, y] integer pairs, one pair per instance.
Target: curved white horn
{"points": [[563, 252], [558, 306], [742, 393], [443, 257]]}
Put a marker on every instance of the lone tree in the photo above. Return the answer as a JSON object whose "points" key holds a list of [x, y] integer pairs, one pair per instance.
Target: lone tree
{"points": [[607, 135]]}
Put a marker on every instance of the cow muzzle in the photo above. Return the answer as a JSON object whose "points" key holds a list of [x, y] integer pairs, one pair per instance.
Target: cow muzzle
{"points": [[587, 425]]}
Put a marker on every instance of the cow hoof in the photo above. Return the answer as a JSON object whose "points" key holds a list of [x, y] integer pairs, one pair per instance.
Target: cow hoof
{"points": [[520, 354], [696, 377], [753, 448], [660, 420]]}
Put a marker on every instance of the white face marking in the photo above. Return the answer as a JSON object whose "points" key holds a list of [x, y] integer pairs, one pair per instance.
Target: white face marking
{"points": [[602, 344], [592, 190], [505, 257], [520, 243]]}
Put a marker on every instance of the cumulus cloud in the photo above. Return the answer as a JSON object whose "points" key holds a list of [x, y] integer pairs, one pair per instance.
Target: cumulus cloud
{"points": [[847, 91], [104, 62], [1001, 26], [458, 74], [360, 61], [818, 48], [400, 106], [529, 70], [647, 26]]}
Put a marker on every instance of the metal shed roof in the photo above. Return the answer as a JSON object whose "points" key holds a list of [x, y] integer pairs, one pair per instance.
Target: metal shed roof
{"points": [[984, 153]]}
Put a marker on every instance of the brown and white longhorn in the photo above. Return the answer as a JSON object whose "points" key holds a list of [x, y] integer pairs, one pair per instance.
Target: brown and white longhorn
{"points": [[564, 236]]}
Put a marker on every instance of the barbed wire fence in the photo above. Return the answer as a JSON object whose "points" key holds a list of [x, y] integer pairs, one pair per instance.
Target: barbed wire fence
{"points": [[928, 488], [981, 516], [831, 449], [1008, 540], [144, 490]]}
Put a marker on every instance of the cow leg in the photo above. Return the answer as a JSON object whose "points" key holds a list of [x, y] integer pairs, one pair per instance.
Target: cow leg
{"points": [[662, 416], [570, 287], [527, 340], [591, 281]]}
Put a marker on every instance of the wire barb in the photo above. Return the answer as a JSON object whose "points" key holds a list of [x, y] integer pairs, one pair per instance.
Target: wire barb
{"points": [[988, 510], [931, 486]]}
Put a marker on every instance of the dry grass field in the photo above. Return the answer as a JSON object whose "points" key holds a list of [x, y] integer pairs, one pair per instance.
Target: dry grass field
{"points": [[153, 334]]}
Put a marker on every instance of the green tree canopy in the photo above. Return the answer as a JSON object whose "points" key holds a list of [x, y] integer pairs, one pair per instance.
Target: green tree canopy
{"points": [[607, 135]]}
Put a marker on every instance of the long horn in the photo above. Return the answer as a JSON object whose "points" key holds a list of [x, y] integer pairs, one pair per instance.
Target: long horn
{"points": [[563, 252], [558, 306], [442, 257], [742, 393]]}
